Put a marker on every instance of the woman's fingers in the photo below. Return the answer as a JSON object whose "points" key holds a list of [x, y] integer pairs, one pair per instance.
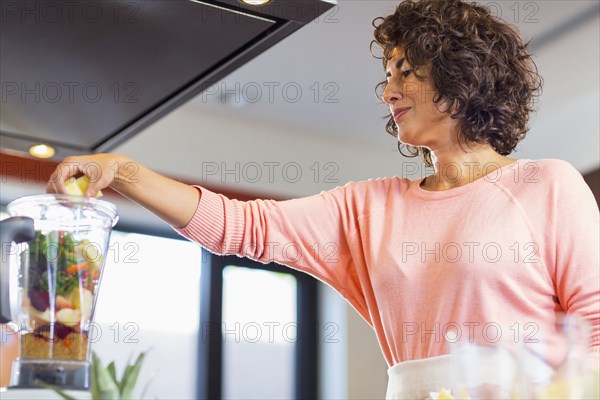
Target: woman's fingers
{"points": [[96, 167], [69, 167], [97, 173]]}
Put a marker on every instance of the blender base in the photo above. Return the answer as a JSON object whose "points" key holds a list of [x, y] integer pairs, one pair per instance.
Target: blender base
{"points": [[12, 393], [66, 375]]}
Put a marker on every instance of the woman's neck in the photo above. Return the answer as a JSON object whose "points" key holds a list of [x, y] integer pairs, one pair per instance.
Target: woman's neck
{"points": [[461, 167]]}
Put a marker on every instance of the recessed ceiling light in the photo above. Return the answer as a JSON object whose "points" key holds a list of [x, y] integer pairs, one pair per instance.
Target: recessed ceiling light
{"points": [[256, 2], [41, 151]]}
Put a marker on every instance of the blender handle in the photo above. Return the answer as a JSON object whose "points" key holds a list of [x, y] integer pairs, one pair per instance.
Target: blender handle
{"points": [[18, 230]]}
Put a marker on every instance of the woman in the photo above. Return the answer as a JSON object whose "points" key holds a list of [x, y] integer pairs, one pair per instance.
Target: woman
{"points": [[485, 242]]}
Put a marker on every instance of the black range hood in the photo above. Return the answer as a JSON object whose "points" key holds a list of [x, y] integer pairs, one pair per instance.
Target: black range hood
{"points": [[84, 76]]}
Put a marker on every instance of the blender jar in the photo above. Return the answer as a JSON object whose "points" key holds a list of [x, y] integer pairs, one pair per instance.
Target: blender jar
{"points": [[59, 273]]}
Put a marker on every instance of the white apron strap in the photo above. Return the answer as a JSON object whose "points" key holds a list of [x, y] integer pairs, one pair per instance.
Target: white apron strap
{"points": [[415, 379]]}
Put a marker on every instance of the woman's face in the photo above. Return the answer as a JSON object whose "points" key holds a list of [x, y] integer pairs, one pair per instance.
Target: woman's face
{"points": [[418, 120]]}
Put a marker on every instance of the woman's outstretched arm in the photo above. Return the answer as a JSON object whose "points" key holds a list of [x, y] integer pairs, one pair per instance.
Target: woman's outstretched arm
{"points": [[172, 201]]}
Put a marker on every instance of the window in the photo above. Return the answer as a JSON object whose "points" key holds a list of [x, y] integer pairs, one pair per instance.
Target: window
{"points": [[149, 299], [259, 333], [257, 297]]}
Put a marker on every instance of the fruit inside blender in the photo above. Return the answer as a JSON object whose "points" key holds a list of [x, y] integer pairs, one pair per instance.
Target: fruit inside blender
{"points": [[60, 276]]}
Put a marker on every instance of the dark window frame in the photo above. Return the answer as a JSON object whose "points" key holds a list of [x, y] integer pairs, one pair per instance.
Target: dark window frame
{"points": [[210, 346]]}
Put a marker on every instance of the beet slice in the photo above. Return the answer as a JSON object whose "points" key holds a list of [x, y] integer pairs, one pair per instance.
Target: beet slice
{"points": [[39, 300], [61, 331]]}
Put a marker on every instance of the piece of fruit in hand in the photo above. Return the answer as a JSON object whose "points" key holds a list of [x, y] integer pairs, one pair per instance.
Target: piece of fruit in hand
{"points": [[77, 187]]}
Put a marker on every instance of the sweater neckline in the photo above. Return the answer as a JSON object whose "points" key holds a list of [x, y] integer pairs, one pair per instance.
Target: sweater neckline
{"points": [[490, 177]]}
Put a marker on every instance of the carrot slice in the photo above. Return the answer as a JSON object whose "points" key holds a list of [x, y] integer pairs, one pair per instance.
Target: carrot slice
{"points": [[72, 269]]}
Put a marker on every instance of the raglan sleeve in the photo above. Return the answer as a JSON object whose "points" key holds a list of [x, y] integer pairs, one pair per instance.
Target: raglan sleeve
{"points": [[576, 268], [311, 234]]}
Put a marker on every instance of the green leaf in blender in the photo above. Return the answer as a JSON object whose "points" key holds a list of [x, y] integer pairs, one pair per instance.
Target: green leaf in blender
{"points": [[35, 259]]}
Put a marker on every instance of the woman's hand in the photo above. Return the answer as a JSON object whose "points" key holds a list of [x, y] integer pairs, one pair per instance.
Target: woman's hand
{"points": [[103, 170], [173, 201]]}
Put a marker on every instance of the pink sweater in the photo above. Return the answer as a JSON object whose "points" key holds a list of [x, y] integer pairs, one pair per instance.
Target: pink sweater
{"points": [[492, 260]]}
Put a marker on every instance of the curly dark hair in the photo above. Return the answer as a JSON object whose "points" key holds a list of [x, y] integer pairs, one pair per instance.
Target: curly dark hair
{"points": [[479, 67]]}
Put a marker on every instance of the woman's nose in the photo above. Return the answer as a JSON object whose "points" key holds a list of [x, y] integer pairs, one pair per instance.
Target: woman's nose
{"points": [[392, 93]]}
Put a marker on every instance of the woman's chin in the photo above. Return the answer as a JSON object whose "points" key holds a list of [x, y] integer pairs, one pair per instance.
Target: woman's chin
{"points": [[409, 141]]}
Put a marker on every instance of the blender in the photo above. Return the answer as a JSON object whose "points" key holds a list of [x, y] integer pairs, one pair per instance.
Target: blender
{"points": [[53, 252]]}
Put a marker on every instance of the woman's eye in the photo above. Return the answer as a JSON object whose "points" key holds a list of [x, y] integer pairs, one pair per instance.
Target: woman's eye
{"points": [[404, 74]]}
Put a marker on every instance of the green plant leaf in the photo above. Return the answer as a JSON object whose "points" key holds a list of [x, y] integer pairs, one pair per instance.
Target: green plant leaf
{"points": [[124, 377], [130, 377], [146, 386], [103, 385], [112, 370]]}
